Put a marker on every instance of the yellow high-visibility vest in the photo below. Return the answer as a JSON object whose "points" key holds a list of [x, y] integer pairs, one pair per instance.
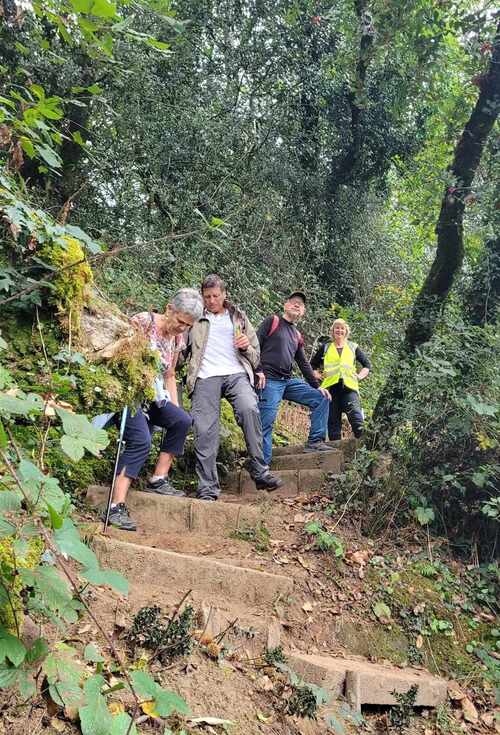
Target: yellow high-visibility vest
{"points": [[341, 366]]}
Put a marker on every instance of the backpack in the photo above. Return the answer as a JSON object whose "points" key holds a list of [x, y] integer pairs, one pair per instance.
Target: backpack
{"points": [[274, 326]]}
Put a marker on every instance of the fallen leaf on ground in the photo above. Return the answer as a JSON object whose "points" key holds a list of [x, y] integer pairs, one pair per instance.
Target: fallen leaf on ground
{"points": [[360, 557], [307, 607], [116, 708], [419, 641], [469, 710], [58, 725], [262, 718], [454, 691]]}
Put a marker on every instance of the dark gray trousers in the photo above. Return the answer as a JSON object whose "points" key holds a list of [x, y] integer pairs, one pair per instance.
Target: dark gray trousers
{"points": [[205, 410]]}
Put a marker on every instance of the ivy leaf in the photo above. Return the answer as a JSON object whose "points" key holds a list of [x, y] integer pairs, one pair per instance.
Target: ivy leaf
{"points": [[38, 650], [424, 515], [9, 500], [109, 577], [382, 611], [68, 542], [82, 434], [121, 725], [11, 648], [53, 592], [20, 406], [8, 676], [64, 675], [104, 9], [73, 447], [92, 654], [41, 489], [166, 701], [6, 528], [91, 245], [480, 407], [95, 718], [49, 156]]}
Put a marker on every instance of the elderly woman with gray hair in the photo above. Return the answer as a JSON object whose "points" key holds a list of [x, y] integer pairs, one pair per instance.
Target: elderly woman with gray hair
{"points": [[166, 334]]}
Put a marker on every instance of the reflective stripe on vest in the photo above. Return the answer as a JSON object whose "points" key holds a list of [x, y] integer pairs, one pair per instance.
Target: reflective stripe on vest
{"points": [[341, 366]]}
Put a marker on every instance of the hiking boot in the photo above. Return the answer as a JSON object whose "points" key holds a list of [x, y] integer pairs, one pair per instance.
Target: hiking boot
{"points": [[208, 498], [119, 517], [317, 446], [268, 482], [163, 487]]}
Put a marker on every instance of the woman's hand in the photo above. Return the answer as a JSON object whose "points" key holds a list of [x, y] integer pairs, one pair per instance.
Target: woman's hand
{"points": [[325, 393], [363, 373], [241, 342], [261, 380]]}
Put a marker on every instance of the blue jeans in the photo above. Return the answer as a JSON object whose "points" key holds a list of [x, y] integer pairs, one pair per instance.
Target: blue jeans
{"points": [[296, 391]]}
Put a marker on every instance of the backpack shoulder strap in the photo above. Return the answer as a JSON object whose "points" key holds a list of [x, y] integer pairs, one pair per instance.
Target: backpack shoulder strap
{"points": [[274, 325]]}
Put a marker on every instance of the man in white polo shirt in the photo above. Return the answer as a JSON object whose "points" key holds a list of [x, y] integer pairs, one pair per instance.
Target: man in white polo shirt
{"points": [[224, 351]]}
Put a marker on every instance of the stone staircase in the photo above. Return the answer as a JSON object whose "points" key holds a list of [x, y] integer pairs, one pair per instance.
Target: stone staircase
{"points": [[182, 544]]}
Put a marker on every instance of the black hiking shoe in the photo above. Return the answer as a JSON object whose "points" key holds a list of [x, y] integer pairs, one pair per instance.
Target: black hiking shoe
{"points": [[268, 482], [119, 517], [163, 487], [317, 446]]}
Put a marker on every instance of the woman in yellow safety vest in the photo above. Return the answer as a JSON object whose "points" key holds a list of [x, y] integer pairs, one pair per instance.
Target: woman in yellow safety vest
{"points": [[335, 362]]}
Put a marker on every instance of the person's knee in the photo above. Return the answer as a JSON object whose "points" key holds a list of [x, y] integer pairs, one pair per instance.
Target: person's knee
{"points": [[142, 446], [183, 422]]}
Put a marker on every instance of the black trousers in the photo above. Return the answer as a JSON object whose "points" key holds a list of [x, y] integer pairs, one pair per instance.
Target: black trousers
{"points": [[344, 400]]}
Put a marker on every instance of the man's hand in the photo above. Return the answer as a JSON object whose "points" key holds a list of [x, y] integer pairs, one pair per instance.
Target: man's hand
{"points": [[242, 342], [261, 381], [325, 393]]}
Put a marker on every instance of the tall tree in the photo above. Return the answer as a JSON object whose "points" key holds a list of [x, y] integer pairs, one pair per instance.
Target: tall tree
{"points": [[450, 240]]}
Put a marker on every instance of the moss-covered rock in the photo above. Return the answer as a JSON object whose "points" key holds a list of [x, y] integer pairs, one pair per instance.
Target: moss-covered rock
{"points": [[12, 611], [70, 288]]}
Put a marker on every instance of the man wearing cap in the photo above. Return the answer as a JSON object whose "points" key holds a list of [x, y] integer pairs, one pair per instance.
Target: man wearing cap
{"points": [[281, 344]]}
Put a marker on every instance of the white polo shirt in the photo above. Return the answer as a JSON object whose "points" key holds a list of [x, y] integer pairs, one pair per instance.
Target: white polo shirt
{"points": [[221, 356]]}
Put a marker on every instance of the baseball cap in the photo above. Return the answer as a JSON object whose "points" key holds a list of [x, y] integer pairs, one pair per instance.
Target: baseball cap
{"points": [[300, 294]]}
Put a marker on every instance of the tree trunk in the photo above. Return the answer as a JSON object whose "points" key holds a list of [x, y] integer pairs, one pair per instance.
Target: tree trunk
{"points": [[450, 247]]}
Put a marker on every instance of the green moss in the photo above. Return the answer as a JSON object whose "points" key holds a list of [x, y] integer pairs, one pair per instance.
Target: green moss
{"points": [[426, 603], [11, 613], [100, 391], [70, 286]]}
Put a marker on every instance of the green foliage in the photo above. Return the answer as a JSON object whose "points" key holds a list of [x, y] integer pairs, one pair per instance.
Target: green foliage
{"points": [[323, 540], [170, 639], [304, 699], [400, 716], [259, 535], [275, 656]]}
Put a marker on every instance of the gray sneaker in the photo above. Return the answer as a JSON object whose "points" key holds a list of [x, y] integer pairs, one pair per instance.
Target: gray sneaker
{"points": [[163, 487], [318, 446], [119, 517]]}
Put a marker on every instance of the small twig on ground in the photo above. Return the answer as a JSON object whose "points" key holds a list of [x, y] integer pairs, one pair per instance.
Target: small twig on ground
{"points": [[219, 638]]}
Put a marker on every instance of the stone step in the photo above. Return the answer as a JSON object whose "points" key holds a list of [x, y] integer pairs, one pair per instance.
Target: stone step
{"points": [[363, 682], [347, 446], [156, 574], [295, 482], [327, 461], [169, 514]]}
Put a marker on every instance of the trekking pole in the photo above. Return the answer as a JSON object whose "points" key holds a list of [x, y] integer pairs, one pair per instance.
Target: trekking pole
{"points": [[118, 452]]}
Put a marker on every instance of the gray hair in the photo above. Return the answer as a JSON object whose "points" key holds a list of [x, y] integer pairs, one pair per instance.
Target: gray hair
{"points": [[188, 301], [213, 281]]}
